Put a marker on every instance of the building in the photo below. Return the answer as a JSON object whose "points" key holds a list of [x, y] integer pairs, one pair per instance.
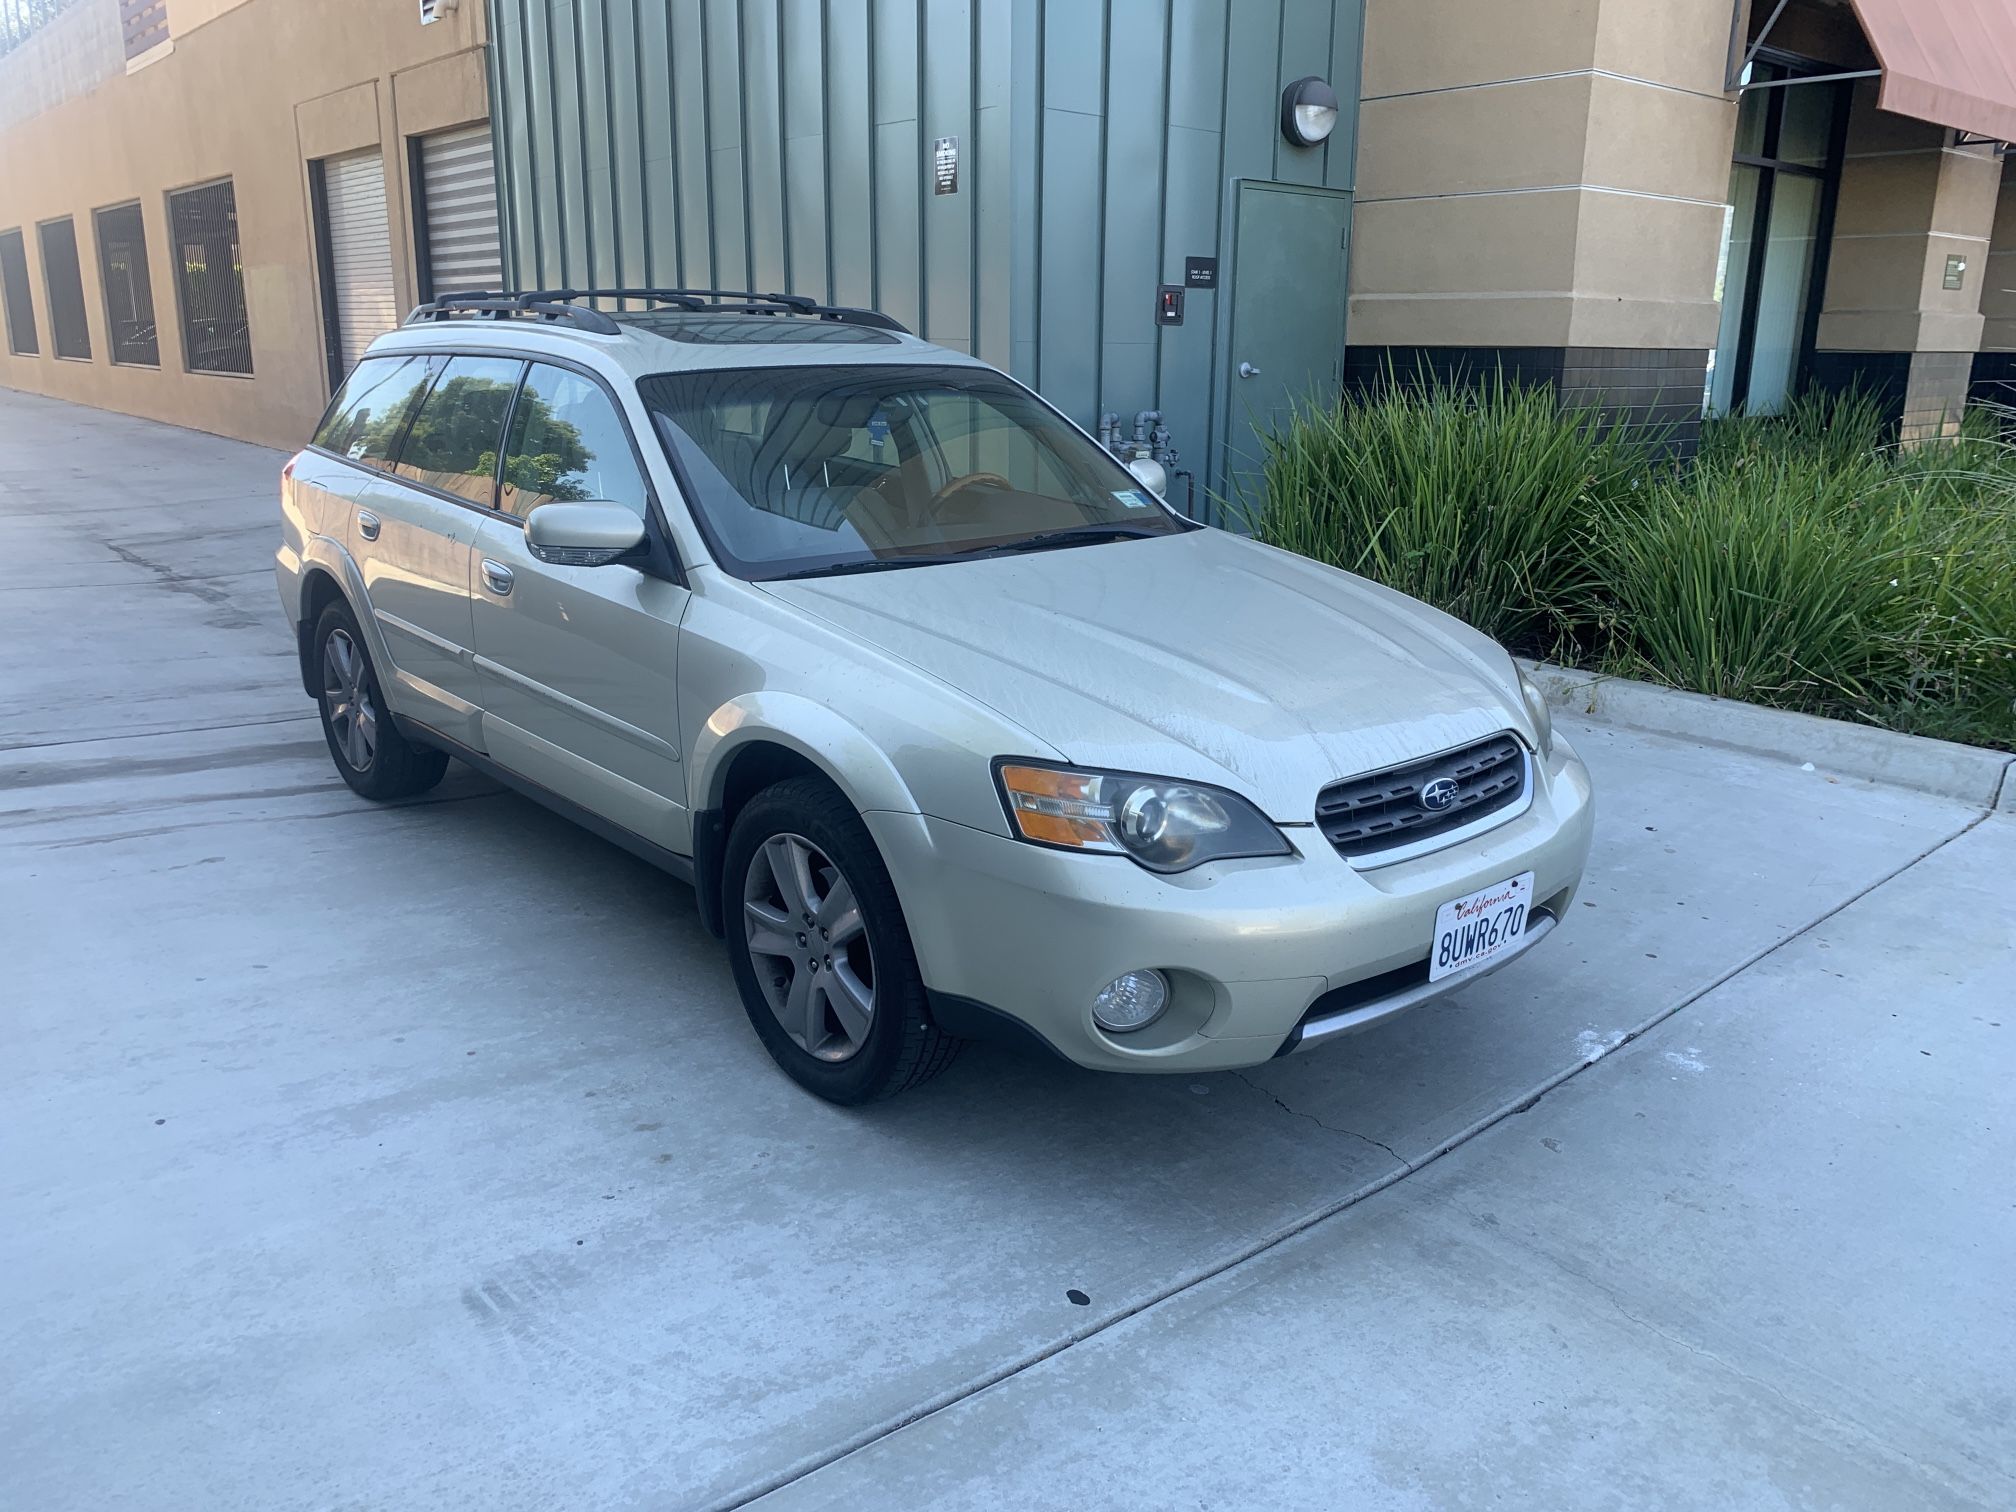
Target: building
{"points": [[208, 206], [1659, 209]]}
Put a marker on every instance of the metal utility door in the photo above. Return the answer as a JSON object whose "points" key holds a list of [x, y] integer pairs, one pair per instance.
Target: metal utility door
{"points": [[1288, 301], [458, 212], [360, 252]]}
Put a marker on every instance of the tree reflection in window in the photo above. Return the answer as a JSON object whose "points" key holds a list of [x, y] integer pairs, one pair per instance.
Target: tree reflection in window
{"points": [[452, 443]]}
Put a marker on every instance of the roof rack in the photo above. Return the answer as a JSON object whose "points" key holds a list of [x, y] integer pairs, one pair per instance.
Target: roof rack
{"points": [[559, 305]]}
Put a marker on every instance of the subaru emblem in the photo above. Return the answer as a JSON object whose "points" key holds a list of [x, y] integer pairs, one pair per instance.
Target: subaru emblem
{"points": [[1439, 794]]}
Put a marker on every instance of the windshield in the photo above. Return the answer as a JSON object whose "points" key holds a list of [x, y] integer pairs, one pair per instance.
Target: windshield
{"points": [[803, 470]]}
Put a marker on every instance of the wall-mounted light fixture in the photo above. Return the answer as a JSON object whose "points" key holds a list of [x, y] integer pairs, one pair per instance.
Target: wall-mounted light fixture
{"points": [[1308, 112]]}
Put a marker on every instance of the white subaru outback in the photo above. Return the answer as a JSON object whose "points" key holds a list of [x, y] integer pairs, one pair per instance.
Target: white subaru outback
{"points": [[956, 729]]}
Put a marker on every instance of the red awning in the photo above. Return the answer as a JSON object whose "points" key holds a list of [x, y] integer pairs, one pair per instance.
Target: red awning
{"points": [[1950, 62]]}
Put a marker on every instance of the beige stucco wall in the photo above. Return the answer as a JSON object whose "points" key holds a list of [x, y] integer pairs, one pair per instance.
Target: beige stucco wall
{"points": [[253, 93], [1909, 199], [1550, 173]]}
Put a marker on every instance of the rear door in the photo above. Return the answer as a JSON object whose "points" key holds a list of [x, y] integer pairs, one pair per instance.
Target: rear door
{"points": [[369, 410], [414, 532], [579, 664]]}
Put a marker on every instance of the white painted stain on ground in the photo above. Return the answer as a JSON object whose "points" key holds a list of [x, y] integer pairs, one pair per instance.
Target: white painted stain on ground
{"points": [[1593, 1044], [1688, 1060]]}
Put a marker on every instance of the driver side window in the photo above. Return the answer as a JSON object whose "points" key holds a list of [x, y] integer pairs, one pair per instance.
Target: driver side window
{"points": [[567, 444]]}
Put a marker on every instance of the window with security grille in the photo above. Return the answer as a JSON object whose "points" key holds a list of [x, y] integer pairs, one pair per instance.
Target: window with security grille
{"points": [[129, 291], [63, 281], [17, 296], [210, 279]]}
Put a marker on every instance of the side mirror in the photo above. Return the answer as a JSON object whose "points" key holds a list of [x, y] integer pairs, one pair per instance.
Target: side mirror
{"points": [[1151, 473], [583, 535]]}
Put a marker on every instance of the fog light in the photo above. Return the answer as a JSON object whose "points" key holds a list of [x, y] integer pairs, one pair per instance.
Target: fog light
{"points": [[1130, 1002]]}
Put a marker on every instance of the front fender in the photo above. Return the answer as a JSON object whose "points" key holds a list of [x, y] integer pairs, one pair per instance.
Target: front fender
{"points": [[832, 743]]}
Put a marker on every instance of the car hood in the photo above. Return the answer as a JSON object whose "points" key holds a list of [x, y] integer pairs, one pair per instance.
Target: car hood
{"points": [[1203, 655]]}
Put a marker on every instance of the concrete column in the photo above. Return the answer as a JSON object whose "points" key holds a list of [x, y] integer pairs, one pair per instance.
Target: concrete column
{"points": [[1541, 187], [1914, 217], [1995, 365]]}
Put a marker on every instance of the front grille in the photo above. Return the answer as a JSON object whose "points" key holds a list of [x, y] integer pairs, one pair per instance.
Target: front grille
{"points": [[1383, 810]]}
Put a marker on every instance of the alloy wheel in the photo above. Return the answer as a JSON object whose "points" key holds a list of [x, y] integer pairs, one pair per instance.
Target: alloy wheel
{"points": [[346, 696], [809, 947]]}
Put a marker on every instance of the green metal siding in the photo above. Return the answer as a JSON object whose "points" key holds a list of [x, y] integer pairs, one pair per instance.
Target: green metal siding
{"points": [[772, 144]]}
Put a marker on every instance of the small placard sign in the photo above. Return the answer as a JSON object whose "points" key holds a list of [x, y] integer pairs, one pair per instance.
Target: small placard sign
{"points": [[1200, 272], [945, 166]]}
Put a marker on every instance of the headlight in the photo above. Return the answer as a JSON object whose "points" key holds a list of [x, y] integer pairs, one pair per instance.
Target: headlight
{"points": [[1543, 716], [1164, 824]]}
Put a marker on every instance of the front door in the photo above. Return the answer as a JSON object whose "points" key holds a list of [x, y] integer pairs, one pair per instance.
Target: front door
{"points": [[579, 664], [1288, 300]]}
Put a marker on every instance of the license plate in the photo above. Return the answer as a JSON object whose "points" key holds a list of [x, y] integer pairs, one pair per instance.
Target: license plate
{"points": [[1487, 924]]}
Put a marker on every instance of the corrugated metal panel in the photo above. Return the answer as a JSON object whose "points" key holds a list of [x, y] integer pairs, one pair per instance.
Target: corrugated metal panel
{"points": [[458, 185], [774, 143], [360, 251]]}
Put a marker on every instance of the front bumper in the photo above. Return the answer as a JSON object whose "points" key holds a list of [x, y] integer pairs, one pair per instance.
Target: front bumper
{"points": [[1249, 946]]}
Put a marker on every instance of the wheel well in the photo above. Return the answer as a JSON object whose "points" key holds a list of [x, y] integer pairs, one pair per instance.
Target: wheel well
{"points": [[318, 591], [753, 768]]}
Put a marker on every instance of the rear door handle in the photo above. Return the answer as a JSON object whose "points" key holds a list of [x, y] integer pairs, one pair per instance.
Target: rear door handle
{"points": [[367, 524], [496, 577]]}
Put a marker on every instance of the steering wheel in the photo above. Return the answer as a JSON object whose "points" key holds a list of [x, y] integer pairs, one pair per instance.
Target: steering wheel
{"points": [[956, 486]]}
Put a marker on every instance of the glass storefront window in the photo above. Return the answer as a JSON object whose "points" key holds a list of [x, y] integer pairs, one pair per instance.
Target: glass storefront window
{"points": [[1765, 280], [1732, 285], [1781, 300]]}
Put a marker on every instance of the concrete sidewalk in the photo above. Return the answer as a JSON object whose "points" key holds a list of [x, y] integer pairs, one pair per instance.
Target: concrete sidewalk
{"points": [[422, 1156], [1760, 1257]]}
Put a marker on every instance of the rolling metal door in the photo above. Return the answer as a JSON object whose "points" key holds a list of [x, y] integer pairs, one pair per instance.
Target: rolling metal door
{"points": [[458, 189], [360, 251]]}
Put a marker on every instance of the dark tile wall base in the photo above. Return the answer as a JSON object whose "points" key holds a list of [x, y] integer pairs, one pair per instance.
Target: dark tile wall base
{"points": [[1651, 387], [1993, 379]]}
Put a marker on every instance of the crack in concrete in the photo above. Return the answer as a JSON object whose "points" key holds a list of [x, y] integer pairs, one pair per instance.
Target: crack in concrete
{"points": [[1327, 1127], [229, 615]]}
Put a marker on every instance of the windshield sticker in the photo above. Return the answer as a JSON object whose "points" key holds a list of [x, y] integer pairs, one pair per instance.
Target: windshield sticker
{"points": [[1132, 498]]}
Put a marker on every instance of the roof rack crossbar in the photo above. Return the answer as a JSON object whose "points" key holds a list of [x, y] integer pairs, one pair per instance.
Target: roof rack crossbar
{"points": [[561, 304], [503, 306]]}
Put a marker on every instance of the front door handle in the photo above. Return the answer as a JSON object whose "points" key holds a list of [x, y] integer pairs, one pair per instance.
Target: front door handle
{"points": [[496, 577], [367, 524], [1247, 370]]}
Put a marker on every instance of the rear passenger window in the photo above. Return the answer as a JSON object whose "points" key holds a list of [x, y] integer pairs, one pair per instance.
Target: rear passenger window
{"points": [[567, 444], [452, 444], [364, 422]]}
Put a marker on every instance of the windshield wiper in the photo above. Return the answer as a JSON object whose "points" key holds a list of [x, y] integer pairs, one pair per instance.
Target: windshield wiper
{"points": [[867, 564], [1071, 535]]}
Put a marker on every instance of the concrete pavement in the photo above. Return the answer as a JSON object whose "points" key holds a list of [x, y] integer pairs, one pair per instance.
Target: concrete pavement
{"points": [[421, 1156]]}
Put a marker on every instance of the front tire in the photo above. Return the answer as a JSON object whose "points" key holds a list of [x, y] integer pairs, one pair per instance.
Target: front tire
{"points": [[370, 754], [819, 949]]}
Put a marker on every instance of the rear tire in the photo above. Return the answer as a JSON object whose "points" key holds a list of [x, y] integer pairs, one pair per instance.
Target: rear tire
{"points": [[370, 754], [819, 949]]}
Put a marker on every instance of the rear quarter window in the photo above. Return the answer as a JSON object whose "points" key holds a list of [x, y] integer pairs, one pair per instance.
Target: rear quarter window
{"points": [[368, 414]]}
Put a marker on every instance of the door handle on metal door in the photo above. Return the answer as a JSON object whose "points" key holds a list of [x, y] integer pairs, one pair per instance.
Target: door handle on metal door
{"points": [[496, 577], [1247, 370], [367, 524]]}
